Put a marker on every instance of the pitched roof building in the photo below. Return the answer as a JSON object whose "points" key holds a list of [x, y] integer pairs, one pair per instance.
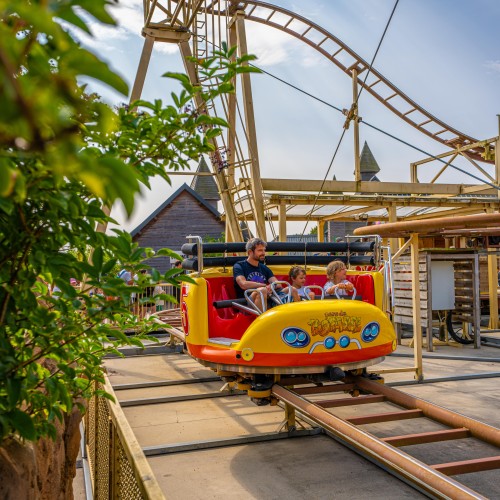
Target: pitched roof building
{"points": [[205, 185], [185, 212], [368, 165]]}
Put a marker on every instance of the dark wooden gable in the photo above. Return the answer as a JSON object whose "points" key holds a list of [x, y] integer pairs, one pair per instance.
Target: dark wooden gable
{"points": [[184, 213]]}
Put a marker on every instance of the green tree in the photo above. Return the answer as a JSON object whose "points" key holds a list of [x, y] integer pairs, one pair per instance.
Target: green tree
{"points": [[64, 157]]}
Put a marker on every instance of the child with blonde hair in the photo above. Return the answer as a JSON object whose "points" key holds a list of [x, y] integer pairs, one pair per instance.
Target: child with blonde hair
{"points": [[336, 273]]}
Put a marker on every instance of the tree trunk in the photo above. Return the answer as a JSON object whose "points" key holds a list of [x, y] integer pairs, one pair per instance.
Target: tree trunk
{"points": [[43, 470]]}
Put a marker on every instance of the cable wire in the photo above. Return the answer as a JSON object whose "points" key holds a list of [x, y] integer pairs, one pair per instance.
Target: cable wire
{"points": [[345, 128], [402, 141], [376, 51]]}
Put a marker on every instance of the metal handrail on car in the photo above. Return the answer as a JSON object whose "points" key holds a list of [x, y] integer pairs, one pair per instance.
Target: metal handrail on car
{"points": [[307, 289], [254, 309], [388, 281], [275, 294], [343, 297]]}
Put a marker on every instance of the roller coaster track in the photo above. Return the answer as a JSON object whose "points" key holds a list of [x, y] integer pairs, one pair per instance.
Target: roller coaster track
{"points": [[377, 85], [433, 479], [337, 52], [338, 409]]}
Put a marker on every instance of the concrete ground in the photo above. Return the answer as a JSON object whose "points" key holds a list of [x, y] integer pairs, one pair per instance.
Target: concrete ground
{"points": [[312, 466]]}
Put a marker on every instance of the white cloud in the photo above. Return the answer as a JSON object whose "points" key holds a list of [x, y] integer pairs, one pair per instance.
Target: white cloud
{"points": [[129, 17], [269, 45], [493, 66], [130, 21], [273, 47]]}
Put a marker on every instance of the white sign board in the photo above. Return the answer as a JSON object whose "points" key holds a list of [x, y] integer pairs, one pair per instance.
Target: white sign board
{"points": [[443, 286]]}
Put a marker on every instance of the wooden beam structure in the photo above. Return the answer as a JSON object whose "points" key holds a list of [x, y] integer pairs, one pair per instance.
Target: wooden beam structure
{"points": [[368, 187], [412, 230]]}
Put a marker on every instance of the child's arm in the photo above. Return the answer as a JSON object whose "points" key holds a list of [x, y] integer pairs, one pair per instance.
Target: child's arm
{"points": [[346, 285], [329, 288]]}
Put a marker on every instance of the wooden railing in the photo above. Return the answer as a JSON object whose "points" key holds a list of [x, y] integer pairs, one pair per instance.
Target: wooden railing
{"points": [[117, 464]]}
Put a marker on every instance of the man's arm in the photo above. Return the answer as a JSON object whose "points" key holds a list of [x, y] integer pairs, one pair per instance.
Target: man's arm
{"points": [[245, 284]]}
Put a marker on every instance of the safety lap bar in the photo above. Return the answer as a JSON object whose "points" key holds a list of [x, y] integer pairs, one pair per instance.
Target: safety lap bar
{"points": [[222, 304], [307, 289]]}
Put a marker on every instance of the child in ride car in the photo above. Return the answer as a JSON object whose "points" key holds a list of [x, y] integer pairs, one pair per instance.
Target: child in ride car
{"points": [[297, 277], [336, 273]]}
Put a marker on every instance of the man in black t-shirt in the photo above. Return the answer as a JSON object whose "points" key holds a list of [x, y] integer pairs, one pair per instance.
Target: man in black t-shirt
{"points": [[253, 273]]}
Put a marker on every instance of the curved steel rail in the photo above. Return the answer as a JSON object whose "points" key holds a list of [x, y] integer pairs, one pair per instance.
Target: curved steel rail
{"points": [[379, 87], [181, 14]]}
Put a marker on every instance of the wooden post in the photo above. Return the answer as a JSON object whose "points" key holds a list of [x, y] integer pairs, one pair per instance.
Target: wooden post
{"points": [[357, 160], [227, 202], [142, 69], [246, 87], [415, 295], [289, 417]]}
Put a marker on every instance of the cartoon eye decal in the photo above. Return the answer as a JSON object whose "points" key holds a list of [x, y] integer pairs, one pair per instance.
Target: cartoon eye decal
{"points": [[329, 342], [370, 331], [344, 341], [295, 337]]}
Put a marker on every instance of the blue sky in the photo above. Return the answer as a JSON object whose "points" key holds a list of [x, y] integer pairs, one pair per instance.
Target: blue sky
{"points": [[444, 54]]}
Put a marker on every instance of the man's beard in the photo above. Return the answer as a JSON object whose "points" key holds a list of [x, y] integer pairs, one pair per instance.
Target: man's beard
{"points": [[262, 258]]}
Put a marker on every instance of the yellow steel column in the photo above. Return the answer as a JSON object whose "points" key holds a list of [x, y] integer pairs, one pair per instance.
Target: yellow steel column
{"points": [[415, 295], [492, 289], [142, 69], [497, 158], [227, 202], [282, 221], [246, 87], [393, 242], [413, 173], [231, 130], [357, 162], [492, 259], [321, 231]]}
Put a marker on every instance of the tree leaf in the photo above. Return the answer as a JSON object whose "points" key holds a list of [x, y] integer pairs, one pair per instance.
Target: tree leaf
{"points": [[23, 424]]}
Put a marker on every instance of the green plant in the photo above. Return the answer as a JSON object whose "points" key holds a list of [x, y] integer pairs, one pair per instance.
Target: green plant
{"points": [[64, 157]]}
